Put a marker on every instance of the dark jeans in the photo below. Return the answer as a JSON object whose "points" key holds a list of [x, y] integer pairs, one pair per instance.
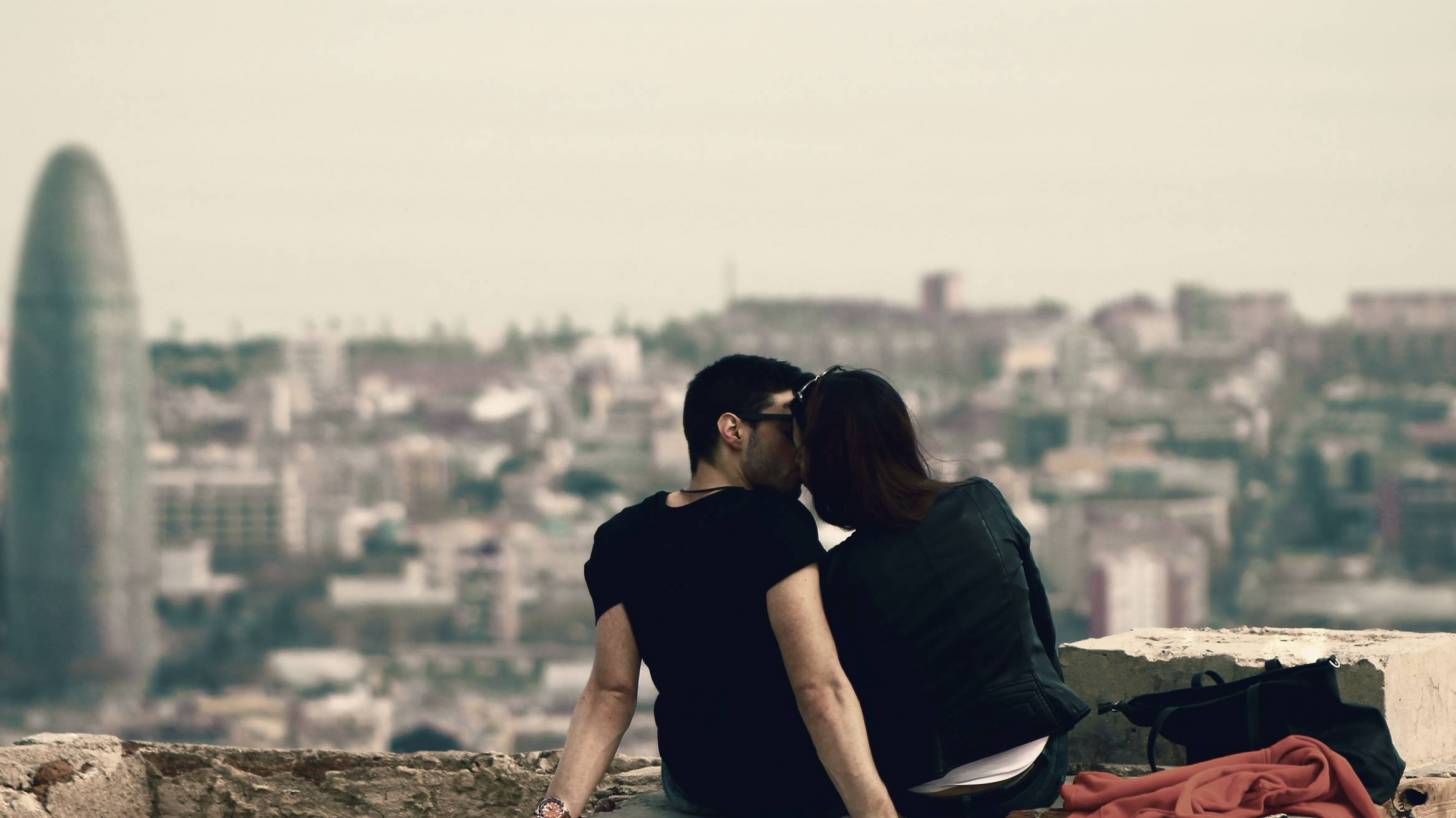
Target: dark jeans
{"points": [[1040, 788]]}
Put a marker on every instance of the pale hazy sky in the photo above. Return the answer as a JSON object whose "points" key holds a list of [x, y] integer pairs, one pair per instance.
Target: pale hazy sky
{"points": [[479, 160]]}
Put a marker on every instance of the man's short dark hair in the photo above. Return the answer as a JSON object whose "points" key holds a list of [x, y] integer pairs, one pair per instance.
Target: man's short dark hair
{"points": [[735, 383]]}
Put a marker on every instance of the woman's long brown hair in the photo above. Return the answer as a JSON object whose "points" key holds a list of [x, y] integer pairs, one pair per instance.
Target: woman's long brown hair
{"points": [[863, 461]]}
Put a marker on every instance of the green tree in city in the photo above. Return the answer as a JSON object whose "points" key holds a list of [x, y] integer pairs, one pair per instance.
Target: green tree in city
{"points": [[516, 345], [587, 484], [478, 494]]}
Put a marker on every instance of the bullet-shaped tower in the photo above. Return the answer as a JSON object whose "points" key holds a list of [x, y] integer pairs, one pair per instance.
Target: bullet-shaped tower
{"points": [[79, 565]]}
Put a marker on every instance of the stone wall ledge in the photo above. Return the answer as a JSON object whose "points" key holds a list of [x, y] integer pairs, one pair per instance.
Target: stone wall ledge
{"points": [[73, 775], [1411, 677]]}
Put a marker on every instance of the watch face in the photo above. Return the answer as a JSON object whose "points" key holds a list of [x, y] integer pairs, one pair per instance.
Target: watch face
{"points": [[551, 808]]}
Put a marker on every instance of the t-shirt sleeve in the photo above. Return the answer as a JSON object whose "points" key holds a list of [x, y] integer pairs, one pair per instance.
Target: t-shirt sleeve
{"points": [[790, 540], [605, 573]]}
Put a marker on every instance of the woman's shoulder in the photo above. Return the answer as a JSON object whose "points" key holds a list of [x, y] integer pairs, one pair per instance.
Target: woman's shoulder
{"points": [[972, 490], [978, 505], [973, 484]]}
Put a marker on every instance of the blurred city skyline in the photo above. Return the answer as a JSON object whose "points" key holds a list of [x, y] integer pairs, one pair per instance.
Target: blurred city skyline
{"points": [[450, 161], [373, 542]]}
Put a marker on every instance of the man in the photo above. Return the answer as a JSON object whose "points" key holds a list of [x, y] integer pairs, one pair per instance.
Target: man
{"points": [[716, 587]]}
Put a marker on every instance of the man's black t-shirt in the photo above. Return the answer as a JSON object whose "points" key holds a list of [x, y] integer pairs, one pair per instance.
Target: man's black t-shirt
{"points": [[694, 582]]}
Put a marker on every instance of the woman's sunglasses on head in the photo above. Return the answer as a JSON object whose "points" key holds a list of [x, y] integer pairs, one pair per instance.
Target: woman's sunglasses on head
{"points": [[796, 406]]}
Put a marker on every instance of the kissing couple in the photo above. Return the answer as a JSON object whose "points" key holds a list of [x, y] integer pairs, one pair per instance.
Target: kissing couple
{"points": [[912, 670]]}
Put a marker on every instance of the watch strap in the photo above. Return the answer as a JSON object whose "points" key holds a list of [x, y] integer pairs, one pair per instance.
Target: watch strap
{"points": [[551, 807]]}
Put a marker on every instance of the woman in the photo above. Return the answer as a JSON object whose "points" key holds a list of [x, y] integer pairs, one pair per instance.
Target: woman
{"points": [[938, 610]]}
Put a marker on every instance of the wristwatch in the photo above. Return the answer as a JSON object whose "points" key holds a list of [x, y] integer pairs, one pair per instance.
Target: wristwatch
{"points": [[551, 807]]}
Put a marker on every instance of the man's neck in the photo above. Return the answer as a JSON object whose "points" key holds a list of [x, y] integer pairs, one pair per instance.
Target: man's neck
{"points": [[706, 476]]}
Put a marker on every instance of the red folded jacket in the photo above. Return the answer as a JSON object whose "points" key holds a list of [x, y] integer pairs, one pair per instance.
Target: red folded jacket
{"points": [[1298, 775]]}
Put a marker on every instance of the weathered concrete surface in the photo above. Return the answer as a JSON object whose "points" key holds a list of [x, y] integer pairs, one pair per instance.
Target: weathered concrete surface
{"points": [[68, 775], [1425, 793], [1411, 677], [73, 775]]}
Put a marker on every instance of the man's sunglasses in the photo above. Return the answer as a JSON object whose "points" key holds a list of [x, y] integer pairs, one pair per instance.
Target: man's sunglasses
{"points": [[796, 406], [757, 416]]}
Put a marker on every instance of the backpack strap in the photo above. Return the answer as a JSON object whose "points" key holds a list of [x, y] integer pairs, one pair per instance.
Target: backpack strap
{"points": [[1197, 680], [1153, 736], [1253, 712]]}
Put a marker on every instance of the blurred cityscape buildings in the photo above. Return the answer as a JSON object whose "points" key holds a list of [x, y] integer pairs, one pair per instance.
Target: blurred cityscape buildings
{"points": [[373, 542]]}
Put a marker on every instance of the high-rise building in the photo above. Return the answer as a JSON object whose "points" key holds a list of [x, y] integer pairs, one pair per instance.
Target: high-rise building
{"points": [[940, 292], [1145, 574], [80, 563], [318, 367]]}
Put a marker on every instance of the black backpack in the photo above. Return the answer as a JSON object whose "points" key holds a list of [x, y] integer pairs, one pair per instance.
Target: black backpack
{"points": [[1252, 713]]}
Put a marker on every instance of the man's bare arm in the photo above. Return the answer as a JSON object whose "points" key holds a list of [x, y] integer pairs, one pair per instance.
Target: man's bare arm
{"points": [[602, 714], [826, 700]]}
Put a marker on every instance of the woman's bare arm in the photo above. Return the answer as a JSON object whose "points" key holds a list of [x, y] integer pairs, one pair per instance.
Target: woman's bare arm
{"points": [[826, 700], [602, 714]]}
